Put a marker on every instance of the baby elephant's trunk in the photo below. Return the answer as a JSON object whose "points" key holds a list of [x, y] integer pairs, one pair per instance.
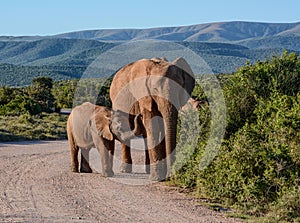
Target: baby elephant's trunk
{"points": [[137, 127], [137, 124], [125, 135]]}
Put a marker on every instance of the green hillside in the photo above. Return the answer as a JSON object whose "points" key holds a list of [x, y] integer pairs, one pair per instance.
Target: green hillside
{"points": [[227, 58], [287, 42], [60, 59], [63, 59], [51, 51], [68, 56], [17, 75]]}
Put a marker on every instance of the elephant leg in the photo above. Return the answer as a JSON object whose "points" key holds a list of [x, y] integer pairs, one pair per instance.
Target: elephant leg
{"points": [[109, 147], [157, 162], [126, 166], [85, 166], [170, 118], [155, 145], [74, 153], [147, 159], [106, 150], [111, 152]]}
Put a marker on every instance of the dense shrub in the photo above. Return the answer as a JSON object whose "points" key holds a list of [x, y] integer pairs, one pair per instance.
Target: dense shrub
{"points": [[240, 102], [186, 166], [41, 92], [257, 167], [6, 94], [279, 73], [63, 92], [20, 104], [70, 93], [243, 88], [28, 112], [287, 208]]}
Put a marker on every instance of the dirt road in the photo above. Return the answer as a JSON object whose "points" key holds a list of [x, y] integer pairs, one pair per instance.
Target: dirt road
{"points": [[36, 185]]}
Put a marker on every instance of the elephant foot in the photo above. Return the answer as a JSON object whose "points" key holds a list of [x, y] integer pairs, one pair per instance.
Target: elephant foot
{"points": [[155, 177], [126, 168], [85, 169], [108, 173], [74, 169], [168, 175], [158, 171]]}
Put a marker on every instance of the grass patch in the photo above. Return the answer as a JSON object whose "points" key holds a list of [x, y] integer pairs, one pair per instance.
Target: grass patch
{"points": [[38, 127]]}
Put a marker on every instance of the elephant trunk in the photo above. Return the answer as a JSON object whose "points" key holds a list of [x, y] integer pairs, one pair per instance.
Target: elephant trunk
{"points": [[137, 128], [137, 125], [170, 138]]}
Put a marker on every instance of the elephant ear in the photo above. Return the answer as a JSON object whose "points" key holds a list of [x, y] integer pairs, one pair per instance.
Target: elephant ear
{"points": [[106, 133], [187, 74], [102, 124]]}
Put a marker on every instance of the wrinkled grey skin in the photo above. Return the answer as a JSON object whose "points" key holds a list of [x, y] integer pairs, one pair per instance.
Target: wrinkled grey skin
{"points": [[122, 129], [91, 126]]}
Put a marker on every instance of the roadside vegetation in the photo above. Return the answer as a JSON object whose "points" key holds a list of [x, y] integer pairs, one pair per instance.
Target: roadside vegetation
{"points": [[257, 168], [33, 112]]}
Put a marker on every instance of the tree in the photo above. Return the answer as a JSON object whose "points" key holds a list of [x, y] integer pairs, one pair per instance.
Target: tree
{"points": [[6, 94], [63, 92], [41, 91]]}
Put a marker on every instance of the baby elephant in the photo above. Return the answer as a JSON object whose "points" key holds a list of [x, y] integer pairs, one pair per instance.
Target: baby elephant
{"points": [[90, 126]]}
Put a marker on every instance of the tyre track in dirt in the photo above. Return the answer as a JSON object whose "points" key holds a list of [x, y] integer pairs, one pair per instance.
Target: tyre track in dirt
{"points": [[36, 185]]}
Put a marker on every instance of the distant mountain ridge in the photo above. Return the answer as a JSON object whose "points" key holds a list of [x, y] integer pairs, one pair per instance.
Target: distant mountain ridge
{"points": [[208, 32], [224, 46], [50, 51]]}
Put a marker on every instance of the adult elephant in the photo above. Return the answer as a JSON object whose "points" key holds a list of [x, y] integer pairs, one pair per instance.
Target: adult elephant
{"points": [[157, 89]]}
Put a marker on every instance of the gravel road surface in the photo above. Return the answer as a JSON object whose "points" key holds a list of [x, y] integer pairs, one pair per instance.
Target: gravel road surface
{"points": [[36, 185]]}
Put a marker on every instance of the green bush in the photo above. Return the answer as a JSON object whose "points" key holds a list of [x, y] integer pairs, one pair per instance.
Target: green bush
{"points": [[240, 101], [257, 168], [261, 160], [6, 94], [41, 92], [33, 99], [287, 208], [251, 82], [63, 92], [27, 113], [186, 166], [279, 73], [20, 104]]}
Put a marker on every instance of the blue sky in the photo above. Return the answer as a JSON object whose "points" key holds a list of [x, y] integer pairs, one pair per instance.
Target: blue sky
{"points": [[38, 17]]}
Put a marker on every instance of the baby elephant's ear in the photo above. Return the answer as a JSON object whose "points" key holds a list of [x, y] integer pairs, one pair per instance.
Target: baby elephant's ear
{"points": [[103, 122], [106, 133]]}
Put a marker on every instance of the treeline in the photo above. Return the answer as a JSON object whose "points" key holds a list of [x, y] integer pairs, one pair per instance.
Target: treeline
{"points": [[33, 112], [46, 95], [18, 75], [34, 99], [29, 112], [257, 168]]}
